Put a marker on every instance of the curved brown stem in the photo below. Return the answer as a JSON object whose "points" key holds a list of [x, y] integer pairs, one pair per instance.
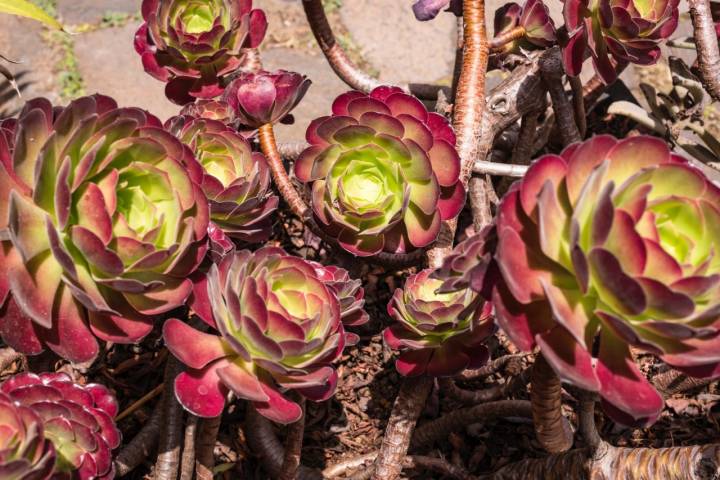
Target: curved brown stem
{"points": [[264, 443], [473, 397], [499, 41], [707, 46], [438, 429], [552, 72], [405, 413], [293, 445], [336, 56], [168, 460], [552, 428], [205, 445], [142, 444], [480, 191], [468, 112], [187, 462], [512, 363], [266, 136]]}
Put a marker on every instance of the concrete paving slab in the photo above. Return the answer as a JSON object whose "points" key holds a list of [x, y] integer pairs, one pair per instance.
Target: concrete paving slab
{"points": [[109, 65]]}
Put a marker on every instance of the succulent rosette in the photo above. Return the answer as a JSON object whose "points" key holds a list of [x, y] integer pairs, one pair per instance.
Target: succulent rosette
{"points": [[439, 334], [235, 179], [470, 265], [425, 10], [280, 329], [350, 295], [102, 219], [76, 419], [383, 171], [25, 451], [534, 17], [194, 44], [265, 97], [611, 245], [210, 109], [629, 31]]}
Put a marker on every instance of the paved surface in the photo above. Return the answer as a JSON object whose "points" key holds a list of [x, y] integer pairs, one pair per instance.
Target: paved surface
{"points": [[109, 65], [384, 33]]}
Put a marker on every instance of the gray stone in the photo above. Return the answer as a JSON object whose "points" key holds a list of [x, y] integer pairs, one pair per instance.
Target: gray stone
{"points": [[74, 12], [325, 87], [21, 40], [109, 65], [396, 44]]}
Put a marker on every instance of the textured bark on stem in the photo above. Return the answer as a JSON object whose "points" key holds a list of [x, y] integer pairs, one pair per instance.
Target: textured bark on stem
{"points": [[611, 463], [473, 397], [552, 72], [552, 429], [251, 60], [468, 113], [142, 444], [291, 150], [511, 363], [336, 56], [187, 462], [504, 38], [266, 136], [168, 460], [707, 46], [586, 421], [207, 432], [440, 428], [293, 445], [405, 412]]}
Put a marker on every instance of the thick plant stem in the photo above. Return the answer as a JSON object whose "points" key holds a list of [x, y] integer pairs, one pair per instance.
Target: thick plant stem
{"points": [[336, 56], [468, 113], [440, 428], [611, 463], [707, 46], [264, 443], [293, 446], [207, 432], [168, 461], [266, 136], [586, 421], [552, 72], [187, 462], [142, 444], [480, 192], [405, 413], [552, 429]]}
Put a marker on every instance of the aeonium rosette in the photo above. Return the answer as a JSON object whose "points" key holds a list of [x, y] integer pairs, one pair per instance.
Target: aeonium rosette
{"points": [[629, 31], [235, 179], [350, 295], [210, 109], [280, 329], [25, 451], [194, 44], [470, 264], [102, 219], [609, 245], [383, 171], [439, 334], [76, 419]]}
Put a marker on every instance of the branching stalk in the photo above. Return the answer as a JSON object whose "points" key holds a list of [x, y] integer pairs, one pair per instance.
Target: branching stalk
{"points": [[187, 462], [142, 444], [499, 41], [552, 72], [439, 429]]}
